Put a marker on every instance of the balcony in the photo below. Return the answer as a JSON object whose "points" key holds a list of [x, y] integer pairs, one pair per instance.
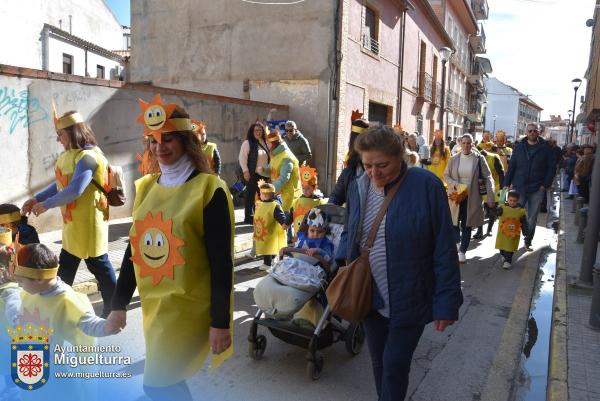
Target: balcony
{"points": [[477, 42], [475, 111], [480, 9], [370, 43], [452, 101]]}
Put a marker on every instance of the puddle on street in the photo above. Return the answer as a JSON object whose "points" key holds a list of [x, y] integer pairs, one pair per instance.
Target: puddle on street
{"points": [[532, 379]]}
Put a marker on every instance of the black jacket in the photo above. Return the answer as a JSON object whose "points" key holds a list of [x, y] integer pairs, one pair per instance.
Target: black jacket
{"points": [[531, 167]]}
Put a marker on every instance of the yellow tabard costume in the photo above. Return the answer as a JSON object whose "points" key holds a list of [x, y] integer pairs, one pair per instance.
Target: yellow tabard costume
{"points": [[490, 158], [509, 228], [302, 205], [85, 228], [504, 152], [209, 150], [61, 313], [268, 233], [291, 190], [438, 163], [173, 275], [485, 146]]}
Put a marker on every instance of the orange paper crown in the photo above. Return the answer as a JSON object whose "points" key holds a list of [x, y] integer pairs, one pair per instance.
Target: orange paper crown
{"points": [[398, 129], [308, 176], [156, 118], [438, 133], [356, 114]]}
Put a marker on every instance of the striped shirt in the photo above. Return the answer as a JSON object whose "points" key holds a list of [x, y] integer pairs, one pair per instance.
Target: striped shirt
{"points": [[377, 256]]}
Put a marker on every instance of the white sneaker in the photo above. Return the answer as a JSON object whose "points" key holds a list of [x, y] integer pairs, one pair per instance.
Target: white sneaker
{"points": [[457, 247], [264, 267], [506, 265], [461, 257]]}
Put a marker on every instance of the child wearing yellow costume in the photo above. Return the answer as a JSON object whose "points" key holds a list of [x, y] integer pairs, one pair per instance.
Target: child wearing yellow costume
{"points": [[270, 224], [11, 218], [309, 198], [55, 310], [512, 221]]}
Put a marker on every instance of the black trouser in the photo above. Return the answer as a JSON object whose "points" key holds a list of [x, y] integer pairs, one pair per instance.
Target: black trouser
{"points": [[584, 189], [507, 255], [463, 232], [268, 259], [250, 198], [99, 266]]}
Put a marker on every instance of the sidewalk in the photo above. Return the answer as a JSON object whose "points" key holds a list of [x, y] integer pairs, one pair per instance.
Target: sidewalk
{"points": [[118, 238], [573, 334]]}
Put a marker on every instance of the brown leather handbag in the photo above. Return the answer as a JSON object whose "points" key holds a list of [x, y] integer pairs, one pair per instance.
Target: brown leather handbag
{"points": [[350, 293]]}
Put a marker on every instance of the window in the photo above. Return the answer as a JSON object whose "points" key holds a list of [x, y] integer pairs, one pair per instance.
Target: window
{"points": [[371, 31], [99, 71], [67, 64], [380, 113], [422, 60]]}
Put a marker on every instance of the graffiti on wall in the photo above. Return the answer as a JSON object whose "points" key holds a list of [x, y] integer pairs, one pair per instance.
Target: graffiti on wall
{"points": [[20, 109]]}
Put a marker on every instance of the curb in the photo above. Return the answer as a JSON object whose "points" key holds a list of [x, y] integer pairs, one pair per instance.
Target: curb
{"points": [[242, 247], [558, 389]]}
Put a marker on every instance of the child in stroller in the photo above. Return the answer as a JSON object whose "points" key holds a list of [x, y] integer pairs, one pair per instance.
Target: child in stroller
{"points": [[282, 303]]}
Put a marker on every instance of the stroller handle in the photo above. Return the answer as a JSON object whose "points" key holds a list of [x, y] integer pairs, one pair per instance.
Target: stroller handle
{"points": [[321, 259]]}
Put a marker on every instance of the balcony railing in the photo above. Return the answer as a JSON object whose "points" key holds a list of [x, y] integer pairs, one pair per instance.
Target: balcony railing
{"points": [[477, 42], [480, 9], [428, 87], [370, 43]]}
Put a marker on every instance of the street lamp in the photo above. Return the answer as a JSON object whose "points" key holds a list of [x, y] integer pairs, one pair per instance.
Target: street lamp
{"points": [[445, 53], [567, 136], [576, 84], [494, 117]]}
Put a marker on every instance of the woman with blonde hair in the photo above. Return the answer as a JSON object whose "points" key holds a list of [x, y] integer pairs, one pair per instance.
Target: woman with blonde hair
{"points": [[80, 170]]}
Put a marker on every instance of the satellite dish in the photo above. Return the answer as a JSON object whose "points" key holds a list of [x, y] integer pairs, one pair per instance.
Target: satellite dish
{"points": [[589, 23]]}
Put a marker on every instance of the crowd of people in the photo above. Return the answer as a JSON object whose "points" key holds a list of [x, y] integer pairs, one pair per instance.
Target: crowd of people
{"points": [[180, 253]]}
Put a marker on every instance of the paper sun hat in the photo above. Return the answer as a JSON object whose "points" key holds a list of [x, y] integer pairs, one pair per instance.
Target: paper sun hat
{"points": [[266, 187], [274, 136], [66, 121], [359, 126], [197, 126], [308, 176], [156, 118], [10, 217], [31, 272], [438, 133]]}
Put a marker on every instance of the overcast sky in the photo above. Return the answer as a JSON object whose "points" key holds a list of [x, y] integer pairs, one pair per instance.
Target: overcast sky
{"points": [[539, 46]]}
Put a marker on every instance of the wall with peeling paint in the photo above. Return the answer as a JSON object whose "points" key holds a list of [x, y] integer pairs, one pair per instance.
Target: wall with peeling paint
{"points": [[28, 146], [271, 53]]}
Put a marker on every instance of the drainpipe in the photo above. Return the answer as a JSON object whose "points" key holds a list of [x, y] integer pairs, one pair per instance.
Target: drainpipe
{"points": [[70, 24], [332, 99], [45, 50], [85, 73], [407, 5]]}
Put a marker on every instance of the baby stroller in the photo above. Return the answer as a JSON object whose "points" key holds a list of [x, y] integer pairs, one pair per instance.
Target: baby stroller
{"points": [[329, 329]]}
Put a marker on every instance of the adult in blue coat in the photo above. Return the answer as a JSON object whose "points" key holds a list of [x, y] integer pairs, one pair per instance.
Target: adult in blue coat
{"points": [[530, 172], [413, 260]]}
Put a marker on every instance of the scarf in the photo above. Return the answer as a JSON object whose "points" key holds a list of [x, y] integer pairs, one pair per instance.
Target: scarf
{"points": [[177, 173]]}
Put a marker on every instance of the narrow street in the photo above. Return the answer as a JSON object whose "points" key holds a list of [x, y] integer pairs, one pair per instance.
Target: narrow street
{"points": [[475, 359]]}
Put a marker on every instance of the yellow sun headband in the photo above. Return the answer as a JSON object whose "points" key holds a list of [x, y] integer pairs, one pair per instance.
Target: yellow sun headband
{"points": [[358, 130], [6, 237], [37, 274], [180, 124], [10, 217], [269, 190], [67, 121]]}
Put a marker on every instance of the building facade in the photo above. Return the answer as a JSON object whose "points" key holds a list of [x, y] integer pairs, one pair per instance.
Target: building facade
{"points": [[591, 112], [324, 59], [556, 128], [508, 109], [64, 36]]}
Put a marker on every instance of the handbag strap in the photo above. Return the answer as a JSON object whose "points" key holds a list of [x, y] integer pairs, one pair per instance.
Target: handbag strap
{"points": [[99, 187], [382, 211]]}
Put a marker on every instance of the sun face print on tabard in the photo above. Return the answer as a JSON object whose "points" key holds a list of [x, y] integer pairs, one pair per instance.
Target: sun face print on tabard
{"points": [[260, 229], [155, 117], [511, 227], [156, 248], [63, 181]]}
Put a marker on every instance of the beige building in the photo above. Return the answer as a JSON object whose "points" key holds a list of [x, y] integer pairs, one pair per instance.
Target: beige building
{"points": [[322, 58], [592, 75]]}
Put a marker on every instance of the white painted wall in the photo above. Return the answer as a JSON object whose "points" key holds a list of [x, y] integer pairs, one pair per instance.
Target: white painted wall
{"points": [[502, 101], [22, 21]]}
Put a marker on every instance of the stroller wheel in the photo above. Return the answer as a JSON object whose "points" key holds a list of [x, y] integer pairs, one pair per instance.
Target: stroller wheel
{"points": [[314, 367], [354, 338], [257, 349]]}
